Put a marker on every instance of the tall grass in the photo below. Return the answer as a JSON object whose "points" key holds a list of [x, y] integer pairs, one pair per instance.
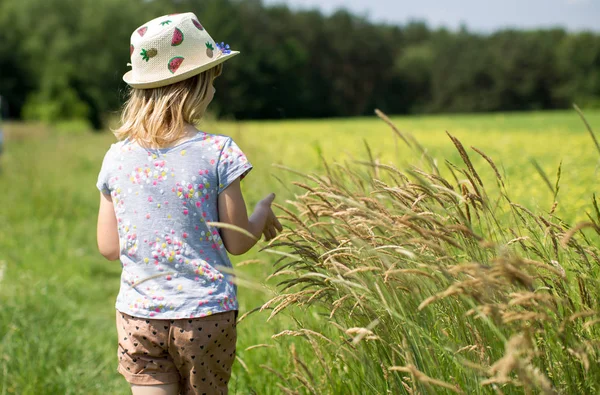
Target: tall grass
{"points": [[427, 280], [57, 333]]}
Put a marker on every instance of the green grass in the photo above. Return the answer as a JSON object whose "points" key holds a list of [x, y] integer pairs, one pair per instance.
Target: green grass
{"points": [[57, 294]]}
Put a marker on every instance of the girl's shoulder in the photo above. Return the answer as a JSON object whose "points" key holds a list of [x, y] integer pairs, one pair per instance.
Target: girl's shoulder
{"points": [[117, 146], [121, 149], [202, 140], [204, 136]]}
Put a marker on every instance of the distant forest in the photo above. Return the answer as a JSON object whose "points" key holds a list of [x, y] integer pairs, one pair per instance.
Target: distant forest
{"points": [[61, 59]]}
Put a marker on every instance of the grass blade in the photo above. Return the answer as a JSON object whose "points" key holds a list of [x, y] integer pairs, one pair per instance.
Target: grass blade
{"points": [[542, 174], [587, 125]]}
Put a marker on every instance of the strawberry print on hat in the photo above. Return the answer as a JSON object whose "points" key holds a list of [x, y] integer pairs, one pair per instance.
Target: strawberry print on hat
{"points": [[174, 63], [142, 31], [197, 24], [177, 37]]}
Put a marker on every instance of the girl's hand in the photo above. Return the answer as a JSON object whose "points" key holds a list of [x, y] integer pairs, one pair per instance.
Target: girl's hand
{"points": [[272, 224], [232, 210]]}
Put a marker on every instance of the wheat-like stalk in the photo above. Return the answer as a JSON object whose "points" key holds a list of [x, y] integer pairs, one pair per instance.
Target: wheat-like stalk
{"points": [[469, 291]]}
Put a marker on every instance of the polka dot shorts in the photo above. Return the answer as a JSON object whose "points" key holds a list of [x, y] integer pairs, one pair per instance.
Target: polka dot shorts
{"points": [[197, 353]]}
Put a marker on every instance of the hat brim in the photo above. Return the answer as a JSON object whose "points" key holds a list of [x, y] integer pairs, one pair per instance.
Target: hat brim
{"points": [[128, 77]]}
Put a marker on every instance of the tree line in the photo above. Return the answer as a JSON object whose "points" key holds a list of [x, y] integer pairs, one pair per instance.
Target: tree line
{"points": [[64, 60]]}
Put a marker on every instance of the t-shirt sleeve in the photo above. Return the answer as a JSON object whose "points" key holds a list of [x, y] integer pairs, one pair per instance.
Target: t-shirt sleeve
{"points": [[103, 176], [232, 164]]}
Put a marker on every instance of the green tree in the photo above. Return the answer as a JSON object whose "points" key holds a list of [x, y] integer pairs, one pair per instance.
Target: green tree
{"points": [[58, 61], [578, 57]]}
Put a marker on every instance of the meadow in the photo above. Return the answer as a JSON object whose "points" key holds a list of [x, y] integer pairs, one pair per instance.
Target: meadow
{"points": [[57, 293]]}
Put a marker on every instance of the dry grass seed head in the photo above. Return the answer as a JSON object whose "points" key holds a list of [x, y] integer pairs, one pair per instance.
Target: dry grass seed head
{"points": [[424, 379], [465, 157]]}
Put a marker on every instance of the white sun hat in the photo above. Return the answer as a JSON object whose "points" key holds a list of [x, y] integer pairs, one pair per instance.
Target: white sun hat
{"points": [[170, 49]]}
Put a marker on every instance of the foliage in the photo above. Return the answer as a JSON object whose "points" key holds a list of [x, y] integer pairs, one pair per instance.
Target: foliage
{"points": [[57, 293], [431, 284], [61, 62]]}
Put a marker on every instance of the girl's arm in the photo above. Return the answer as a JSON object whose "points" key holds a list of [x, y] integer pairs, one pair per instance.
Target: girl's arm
{"points": [[107, 232], [232, 210]]}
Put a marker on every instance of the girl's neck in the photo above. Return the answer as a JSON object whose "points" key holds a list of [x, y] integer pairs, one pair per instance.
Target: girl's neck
{"points": [[189, 132]]}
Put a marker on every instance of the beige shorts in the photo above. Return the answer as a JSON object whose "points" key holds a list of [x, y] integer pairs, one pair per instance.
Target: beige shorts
{"points": [[197, 353]]}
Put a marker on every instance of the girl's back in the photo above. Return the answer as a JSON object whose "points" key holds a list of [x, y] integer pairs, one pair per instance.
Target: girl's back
{"points": [[174, 261]]}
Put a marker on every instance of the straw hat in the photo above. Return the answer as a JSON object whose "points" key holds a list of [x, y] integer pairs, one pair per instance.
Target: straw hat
{"points": [[170, 49]]}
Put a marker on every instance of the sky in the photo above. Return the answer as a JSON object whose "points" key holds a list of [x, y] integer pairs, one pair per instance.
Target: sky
{"points": [[477, 15]]}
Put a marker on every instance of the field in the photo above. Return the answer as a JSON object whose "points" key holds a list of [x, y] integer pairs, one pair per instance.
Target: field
{"points": [[57, 293]]}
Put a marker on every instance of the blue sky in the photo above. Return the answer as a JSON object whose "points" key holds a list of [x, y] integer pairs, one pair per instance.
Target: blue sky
{"points": [[479, 15]]}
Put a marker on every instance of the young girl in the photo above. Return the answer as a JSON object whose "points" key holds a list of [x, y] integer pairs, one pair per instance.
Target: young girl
{"points": [[163, 186]]}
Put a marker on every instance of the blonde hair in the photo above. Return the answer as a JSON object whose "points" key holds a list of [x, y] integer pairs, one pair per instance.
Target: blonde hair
{"points": [[156, 117]]}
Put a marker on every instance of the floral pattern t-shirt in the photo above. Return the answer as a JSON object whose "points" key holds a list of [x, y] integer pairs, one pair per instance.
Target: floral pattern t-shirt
{"points": [[174, 262]]}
